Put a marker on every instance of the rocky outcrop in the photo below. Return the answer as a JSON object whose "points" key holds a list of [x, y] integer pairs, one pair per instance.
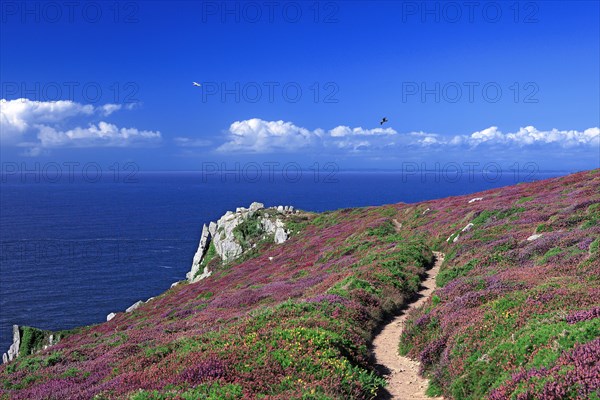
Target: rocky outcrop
{"points": [[534, 237], [227, 238], [13, 350], [468, 227], [28, 340], [226, 245], [202, 247], [134, 306]]}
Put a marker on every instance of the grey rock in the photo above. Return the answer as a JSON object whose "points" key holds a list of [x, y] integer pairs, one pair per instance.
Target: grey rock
{"points": [[534, 237], [205, 274], [202, 247], [221, 234], [225, 243], [468, 227], [134, 306], [280, 235], [50, 342], [212, 228], [13, 350], [456, 238], [268, 226], [110, 316]]}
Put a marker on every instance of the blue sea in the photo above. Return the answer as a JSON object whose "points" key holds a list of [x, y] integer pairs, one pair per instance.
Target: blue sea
{"points": [[74, 250]]}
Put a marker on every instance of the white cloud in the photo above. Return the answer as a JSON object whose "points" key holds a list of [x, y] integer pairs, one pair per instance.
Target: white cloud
{"points": [[259, 136], [17, 116], [487, 135], [101, 135], [342, 130], [108, 109], [530, 135], [527, 136], [22, 121], [425, 139], [191, 142]]}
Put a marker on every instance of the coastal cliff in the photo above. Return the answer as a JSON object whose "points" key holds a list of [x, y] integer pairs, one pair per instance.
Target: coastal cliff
{"points": [[28, 340], [515, 314], [237, 232]]}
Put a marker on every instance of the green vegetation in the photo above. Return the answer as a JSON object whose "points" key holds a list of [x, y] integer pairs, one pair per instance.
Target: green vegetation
{"points": [[249, 230], [32, 339], [524, 199], [541, 228], [549, 254], [449, 274], [594, 246], [210, 254], [206, 391], [383, 230], [511, 318]]}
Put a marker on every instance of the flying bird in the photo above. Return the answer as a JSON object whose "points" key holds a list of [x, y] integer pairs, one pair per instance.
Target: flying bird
{"points": [[383, 121], [196, 84]]}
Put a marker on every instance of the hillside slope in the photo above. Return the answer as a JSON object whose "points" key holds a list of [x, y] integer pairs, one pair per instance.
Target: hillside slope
{"points": [[517, 314], [295, 320]]}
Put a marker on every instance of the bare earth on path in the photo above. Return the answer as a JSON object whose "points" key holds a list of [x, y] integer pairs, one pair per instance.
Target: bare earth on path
{"points": [[402, 373]]}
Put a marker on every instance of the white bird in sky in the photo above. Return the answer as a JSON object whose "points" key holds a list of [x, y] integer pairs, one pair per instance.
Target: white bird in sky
{"points": [[196, 84]]}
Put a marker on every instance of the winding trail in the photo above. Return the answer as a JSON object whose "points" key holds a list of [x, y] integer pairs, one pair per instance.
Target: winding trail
{"points": [[402, 373]]}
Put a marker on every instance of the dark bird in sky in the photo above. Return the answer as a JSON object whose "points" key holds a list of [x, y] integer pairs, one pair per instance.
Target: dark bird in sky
{"points": [[383, 121]]}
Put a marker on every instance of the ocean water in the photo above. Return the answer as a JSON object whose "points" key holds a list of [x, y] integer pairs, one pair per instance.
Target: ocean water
{"points": [[73, 251]]}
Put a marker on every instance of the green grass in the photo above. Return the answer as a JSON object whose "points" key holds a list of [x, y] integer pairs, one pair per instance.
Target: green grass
{"points": [[594, 246], [32, 340], [210, 254], [248, 230], [550, 253], [383, 230], [505, 345], [450, 274], [524, 200], [541, 228], [206, 391]]}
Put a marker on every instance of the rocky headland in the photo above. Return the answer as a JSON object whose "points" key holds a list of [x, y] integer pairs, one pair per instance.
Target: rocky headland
{"points": [[284, 304]]}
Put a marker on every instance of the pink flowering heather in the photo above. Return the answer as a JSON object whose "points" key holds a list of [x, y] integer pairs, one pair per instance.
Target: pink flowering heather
{"points": [[512, 318]]}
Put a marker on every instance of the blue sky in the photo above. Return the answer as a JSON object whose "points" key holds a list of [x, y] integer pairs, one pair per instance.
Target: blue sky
{"points": [[496, 82]]}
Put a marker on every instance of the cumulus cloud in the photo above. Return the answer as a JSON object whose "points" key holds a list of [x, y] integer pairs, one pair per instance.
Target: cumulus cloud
{"points": [[17, 116], [259, 136], [23, 120], [530, 135], [526, 136], [341, 131], [101, 135]]}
